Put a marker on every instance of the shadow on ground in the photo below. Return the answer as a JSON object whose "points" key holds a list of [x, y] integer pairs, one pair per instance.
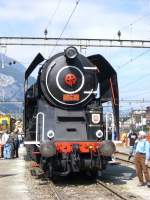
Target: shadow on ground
{"points": [[5, 175], [115, 174], [118, 174]]}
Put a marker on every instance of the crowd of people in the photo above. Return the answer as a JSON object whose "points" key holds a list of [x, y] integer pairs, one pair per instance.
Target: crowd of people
{"points": [[9, 143]]}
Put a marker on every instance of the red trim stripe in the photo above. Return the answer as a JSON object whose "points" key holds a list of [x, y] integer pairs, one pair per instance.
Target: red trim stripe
{"points": [[112, 89]]}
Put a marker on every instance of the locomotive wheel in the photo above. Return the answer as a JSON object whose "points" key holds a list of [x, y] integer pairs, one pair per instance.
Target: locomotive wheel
{"points": [[92, 173], [50, 170], [46, 166]]}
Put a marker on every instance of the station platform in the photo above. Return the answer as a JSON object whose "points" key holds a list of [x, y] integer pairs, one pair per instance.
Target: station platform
{"points": [[12, 178]]}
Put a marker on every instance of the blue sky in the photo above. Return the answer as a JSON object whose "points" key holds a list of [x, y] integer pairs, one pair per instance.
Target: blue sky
{"points": [[92, 19]]}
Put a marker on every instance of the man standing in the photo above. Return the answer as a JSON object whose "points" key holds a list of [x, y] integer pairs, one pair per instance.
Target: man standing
{"points": [[132, 137], [16, 142], [4, 139], [142, 154]]}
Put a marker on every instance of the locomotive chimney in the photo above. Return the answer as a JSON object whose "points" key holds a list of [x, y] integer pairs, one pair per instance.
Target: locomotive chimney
{"points": [[71, 53]]}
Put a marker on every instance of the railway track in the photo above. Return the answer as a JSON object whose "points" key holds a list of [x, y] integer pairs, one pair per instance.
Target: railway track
{"points": [[72, 189], [114, 192], [79, 187], [123, 157], [40, 188], [57, 195], [95, 189]]}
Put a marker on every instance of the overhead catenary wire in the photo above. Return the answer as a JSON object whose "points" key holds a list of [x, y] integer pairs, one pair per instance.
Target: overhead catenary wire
{"points": [[131, 29], [130, 25], [130, 61], [66, 24], [135, 21], [52, 16], [126, 90], [133, 59], [139, 79], [140, 95], [133, 94], [143, 93]]}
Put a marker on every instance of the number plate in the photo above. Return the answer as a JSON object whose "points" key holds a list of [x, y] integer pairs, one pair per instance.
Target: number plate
{"points": [[71, 97]]}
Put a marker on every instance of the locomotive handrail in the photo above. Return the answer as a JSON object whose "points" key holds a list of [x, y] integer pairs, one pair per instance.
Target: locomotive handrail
{"points": [[37, 126]]}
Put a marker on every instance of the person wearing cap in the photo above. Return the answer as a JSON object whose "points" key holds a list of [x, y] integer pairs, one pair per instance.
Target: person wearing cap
{"points": [[142, 154]]}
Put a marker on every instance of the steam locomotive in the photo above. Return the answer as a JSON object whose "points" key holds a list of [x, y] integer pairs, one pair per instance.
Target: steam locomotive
{"points": [[63, 113]]}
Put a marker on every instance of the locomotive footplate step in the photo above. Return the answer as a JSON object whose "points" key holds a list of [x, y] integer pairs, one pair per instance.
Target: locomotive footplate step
{"points": [[12, 178]]}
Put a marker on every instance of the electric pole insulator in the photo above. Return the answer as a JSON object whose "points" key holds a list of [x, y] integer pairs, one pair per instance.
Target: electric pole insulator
{"points": [[45, 33], [119, 34]]}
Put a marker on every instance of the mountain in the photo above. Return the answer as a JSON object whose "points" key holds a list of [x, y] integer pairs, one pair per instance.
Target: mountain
{"points": [[11, 84]]}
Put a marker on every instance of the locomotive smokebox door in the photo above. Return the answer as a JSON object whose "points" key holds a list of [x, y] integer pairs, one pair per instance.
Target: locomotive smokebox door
{"points": [[69, 81]]}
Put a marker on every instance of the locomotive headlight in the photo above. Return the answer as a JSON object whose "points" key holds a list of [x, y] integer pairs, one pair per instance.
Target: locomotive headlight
{"points": [[50, 134], [95, 118], [99, 134], [71, 52]]}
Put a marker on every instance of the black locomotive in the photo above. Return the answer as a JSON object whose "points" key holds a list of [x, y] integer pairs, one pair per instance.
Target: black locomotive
{"points": [[63, 112]]}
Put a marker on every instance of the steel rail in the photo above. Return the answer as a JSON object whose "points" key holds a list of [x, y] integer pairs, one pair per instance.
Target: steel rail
{"points": [[52, 187], [111, 190], [124, 160], [54, 190]]}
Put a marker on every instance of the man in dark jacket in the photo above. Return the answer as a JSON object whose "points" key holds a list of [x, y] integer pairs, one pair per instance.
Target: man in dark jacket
{"points": [[16, 143], [132, 137]]}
